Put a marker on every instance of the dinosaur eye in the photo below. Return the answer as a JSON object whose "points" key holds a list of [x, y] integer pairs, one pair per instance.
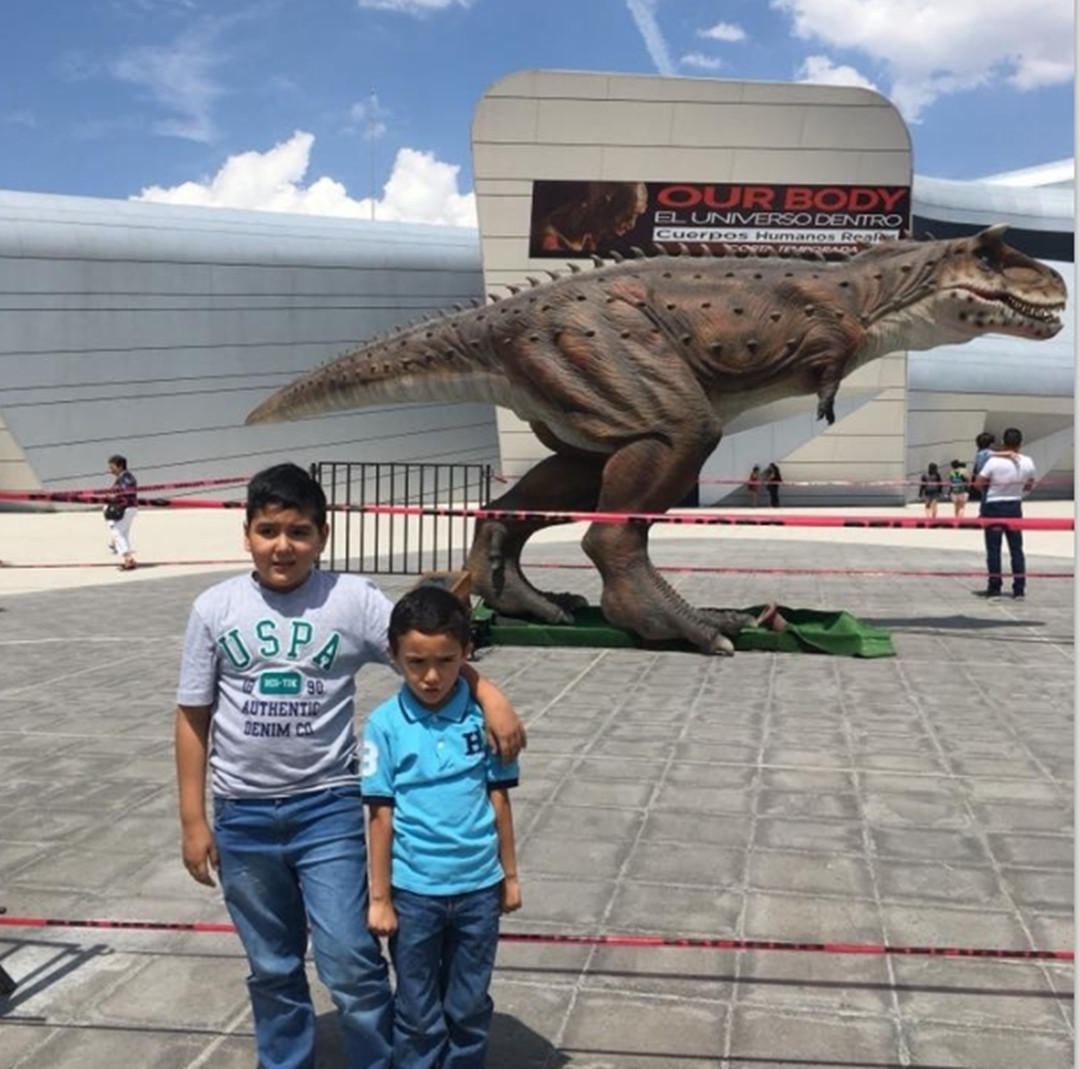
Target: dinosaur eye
{"points": [[986, 259]]}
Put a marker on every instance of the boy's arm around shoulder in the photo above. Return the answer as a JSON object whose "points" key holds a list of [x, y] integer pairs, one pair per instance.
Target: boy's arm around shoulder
{"points": [[505, 731], [197, 840]]}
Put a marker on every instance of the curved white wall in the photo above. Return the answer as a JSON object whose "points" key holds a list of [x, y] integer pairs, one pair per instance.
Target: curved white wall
{"points": [[152, 330]]}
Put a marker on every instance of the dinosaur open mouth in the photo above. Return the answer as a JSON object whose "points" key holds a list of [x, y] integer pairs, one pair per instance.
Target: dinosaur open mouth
{"points": [[1042, 313]]}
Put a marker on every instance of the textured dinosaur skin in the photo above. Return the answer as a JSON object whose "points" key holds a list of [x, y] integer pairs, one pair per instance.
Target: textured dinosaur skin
{"points": [[629, 372]]}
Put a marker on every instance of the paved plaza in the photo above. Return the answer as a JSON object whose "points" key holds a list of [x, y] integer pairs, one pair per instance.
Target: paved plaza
{"points": [[925, 799]]}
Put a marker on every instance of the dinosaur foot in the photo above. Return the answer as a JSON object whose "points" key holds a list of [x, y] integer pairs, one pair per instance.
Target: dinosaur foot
{"points": [[521, 599], [710, 630], [728, 622]]}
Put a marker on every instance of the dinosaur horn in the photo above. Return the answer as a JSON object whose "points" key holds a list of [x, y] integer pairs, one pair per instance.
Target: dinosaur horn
{"points": [[992, 235]]}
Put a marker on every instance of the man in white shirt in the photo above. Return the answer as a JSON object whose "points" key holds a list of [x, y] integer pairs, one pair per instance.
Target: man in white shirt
{"points": [[1004, 479]]}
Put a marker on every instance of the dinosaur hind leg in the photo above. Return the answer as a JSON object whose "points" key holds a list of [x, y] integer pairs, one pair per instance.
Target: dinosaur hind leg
{"points": [[557, 483], [650, 475]]}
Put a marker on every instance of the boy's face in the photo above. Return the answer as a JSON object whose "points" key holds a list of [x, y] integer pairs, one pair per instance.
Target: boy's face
{"points": [[431, 665], [284, 544]]}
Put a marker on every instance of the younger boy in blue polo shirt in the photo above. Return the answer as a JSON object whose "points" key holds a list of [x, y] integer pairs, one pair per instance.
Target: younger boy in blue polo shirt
{"points": [[442, 865]]}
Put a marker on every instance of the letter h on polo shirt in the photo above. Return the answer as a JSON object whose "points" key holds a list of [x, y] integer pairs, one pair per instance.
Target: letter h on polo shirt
{"points": [[474, 742]]}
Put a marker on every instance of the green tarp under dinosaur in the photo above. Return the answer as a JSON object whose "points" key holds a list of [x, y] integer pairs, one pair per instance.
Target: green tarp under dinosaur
{"points": [[808, 631]]}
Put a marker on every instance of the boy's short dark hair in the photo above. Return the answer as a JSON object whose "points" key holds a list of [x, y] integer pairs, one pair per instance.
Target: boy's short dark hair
{"points": [[984, 440], [957, 463], [119, 461], [431, 610], [290, 487], [1012, 437]]}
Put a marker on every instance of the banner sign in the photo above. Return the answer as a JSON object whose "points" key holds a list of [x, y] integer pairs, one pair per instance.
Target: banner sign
{"points": [[581, 218]]}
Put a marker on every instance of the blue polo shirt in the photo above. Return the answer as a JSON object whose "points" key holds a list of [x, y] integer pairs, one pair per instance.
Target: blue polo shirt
{"points": [[434, 767]]}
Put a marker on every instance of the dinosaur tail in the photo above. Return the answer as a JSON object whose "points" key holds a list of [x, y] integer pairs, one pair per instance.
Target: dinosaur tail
{"points": [[418, 365]]}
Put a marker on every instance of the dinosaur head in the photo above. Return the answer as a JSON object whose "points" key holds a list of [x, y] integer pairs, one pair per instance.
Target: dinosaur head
{"points": [[983, 286]]}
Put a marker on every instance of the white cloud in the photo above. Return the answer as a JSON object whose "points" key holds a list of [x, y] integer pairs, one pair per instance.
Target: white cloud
{"points": [[822, 71], [701, 61], [412, 7], [643, 12], [421, 188], [724, 31], [178, 76], [934, 47]]}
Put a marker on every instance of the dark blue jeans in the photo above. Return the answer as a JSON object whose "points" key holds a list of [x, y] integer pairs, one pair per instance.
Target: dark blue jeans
{"points": [[444, 954], [1015, 538], [287, 863]]}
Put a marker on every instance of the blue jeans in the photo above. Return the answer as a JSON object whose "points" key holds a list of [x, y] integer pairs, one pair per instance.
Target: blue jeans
{"points": [[992, 535], [287, 863], [444, 954]]}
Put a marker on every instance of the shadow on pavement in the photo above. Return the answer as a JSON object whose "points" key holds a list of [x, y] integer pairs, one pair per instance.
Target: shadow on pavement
{"points": [[513, 1045]]}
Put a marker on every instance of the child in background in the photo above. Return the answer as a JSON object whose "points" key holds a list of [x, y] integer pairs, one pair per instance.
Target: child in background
{"points": [[442, 860], [931, 487], [958, 487], [120, 511]]}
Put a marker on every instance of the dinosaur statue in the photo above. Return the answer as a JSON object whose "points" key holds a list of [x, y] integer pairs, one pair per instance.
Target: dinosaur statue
{"points": [[629, 372]]}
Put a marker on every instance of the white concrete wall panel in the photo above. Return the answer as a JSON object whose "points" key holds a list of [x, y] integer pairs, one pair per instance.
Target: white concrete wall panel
{"points": [[152, 331]]}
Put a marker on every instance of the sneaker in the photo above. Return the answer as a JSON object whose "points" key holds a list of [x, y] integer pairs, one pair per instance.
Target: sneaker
{"points": [[987, 593], [128, 566], [1018, 595]]}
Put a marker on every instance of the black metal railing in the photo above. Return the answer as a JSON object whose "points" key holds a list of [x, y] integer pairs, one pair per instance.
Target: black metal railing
{"points": [[389, 544]]}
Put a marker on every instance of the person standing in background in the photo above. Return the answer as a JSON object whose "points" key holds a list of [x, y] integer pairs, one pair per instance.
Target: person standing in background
{"points": [[1004, 479], [930, 489], [753, 484], [984, 446], [773, 479], [120, 511], [958, 487]]}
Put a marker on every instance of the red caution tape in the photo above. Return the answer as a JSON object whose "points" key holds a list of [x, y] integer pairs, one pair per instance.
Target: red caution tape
{"points": [[883, 572], [992, 953], [733, 519], [704, 519], [1046, 480]]}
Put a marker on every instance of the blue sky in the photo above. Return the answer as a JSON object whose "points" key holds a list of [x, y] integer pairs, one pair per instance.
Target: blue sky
{"points": [[279, 103]]}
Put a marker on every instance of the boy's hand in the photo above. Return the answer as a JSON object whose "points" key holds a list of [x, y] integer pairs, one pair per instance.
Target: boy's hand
{"points": [[381, 918], [503, 727], [509, 895], [199, 852], [507, 740]]}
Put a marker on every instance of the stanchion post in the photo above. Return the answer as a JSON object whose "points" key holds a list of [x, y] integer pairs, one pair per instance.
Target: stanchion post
{"points": [[8, 983]]}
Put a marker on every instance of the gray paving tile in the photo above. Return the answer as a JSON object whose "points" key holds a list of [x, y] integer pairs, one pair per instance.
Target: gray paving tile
{"points": [[917, 800], [995, 1048], [760, 1036]]}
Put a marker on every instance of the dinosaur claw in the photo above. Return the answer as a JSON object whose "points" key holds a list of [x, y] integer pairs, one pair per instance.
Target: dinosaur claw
{"points": [[825, 410], [721, 646]]}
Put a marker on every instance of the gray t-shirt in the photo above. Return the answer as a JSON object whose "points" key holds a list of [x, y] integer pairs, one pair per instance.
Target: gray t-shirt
{"points": [[277, 671]]}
